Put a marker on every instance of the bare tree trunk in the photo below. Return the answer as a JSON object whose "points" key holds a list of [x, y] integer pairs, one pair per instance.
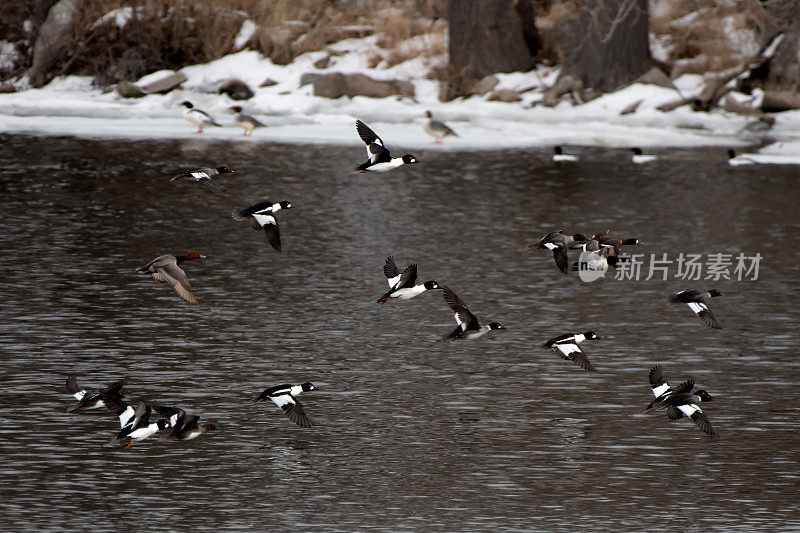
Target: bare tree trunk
{"points": [[488, 36], [611, 44]]}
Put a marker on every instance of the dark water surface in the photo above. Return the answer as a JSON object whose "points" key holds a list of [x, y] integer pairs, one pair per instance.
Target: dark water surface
{"points": [[411, 434]]}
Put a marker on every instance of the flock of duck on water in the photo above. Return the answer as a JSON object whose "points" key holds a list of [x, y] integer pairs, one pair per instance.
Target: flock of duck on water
{"points": [[604, 248]]}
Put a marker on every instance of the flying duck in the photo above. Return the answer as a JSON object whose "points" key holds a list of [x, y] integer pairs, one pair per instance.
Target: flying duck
{"points": [[140, 427], [186, 427], [198, 117], [679, 401], [638, 157], [246, 122], [401, 284], [559, 243], [560, 157], [285, 397], [616, 243], [204, 176], [165, 269], [696, 300], [380, 160], [468, 325], [438, 130], [567, 344], [91, 401], [263, 215], [736, 161], [134, 418]]}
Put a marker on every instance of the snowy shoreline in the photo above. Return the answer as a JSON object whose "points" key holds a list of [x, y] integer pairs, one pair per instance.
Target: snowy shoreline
{"points": [[71, 106]]}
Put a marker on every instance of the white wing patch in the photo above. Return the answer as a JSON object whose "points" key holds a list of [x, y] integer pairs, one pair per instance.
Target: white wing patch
{"points": [[383, 167], [127, 416], [697, 307], [393, 281], [283, 399], [199, 175], [661, 389], [550, 245], [568, 349], [264, 220], [80, 394], [689, 409]]}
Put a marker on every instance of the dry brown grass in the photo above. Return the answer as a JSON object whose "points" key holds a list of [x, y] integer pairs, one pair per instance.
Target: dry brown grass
{"points": [[706, 34], [174, 33]]}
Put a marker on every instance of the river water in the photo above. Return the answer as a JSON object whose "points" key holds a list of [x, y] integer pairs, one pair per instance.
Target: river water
{"points": [[411, 434]]}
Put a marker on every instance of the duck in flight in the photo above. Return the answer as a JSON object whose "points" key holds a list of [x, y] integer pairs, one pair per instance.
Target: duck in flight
{"points": [[567, 345], [285, 397], [205, 176], [165, 269], [263, 215], [402, 284], [380, 160], [91, 401], [696, 300], [559, 243], [468, 325], [679, 401]]}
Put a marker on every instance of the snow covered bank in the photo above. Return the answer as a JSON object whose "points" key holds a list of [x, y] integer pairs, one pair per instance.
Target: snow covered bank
{"points": [[70, 106]]}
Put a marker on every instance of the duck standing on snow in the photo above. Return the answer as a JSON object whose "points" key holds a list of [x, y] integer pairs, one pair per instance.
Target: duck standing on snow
{"points": [[438, 130], [198, 117], [204, 176], [468, 325], [246, 122], [560, 157], [285, 397], [679, 401], [401, 284], [696, 300], [165, 269], [380, 160], [263, 215], [638, 157], [567, 344]]}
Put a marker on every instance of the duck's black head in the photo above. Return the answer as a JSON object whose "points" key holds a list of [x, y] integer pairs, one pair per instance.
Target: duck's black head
{"points": [[496, 325], [430, 285], [428, 114], [285, 204], [715, 292], [409, 159], [704, 395], [163, 424], [236, 108], [731, 154], [187, 104], [636, 151], [308, 387], [591, 335], [557, 150], [225, 170]]}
